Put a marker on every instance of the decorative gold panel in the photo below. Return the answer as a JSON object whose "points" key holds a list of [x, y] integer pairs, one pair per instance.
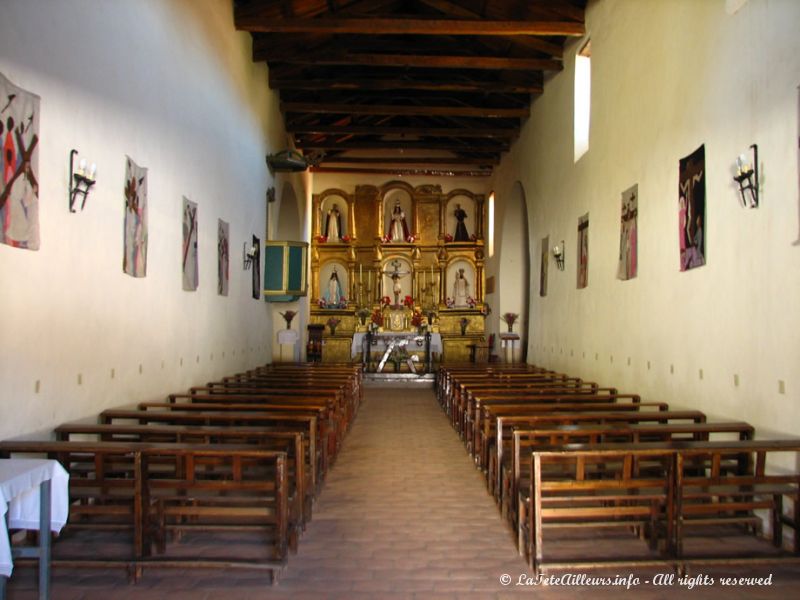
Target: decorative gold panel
{"points": [[428, 214]]}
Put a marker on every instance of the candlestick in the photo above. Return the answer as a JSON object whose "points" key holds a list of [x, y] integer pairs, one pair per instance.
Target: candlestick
{"points": [[360, 275]]}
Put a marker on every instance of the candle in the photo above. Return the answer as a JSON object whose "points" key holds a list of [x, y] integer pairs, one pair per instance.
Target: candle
{"points": [[92, 171]]}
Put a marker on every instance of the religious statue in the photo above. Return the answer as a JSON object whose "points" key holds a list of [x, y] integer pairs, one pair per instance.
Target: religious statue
{"points": [[333, 294], [398, 229], [461, 229], [460, 290], [333, 224]]}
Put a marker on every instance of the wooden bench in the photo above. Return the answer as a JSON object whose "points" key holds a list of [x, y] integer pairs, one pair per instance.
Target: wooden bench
{"points": [[306, 423], [300, 460], [515, 474], [711, 483], [153, 490]]}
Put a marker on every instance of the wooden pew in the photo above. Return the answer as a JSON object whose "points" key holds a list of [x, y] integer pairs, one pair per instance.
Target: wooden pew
{"points": [[515, 475], [707, 482], [300, 460], [287, 420], [480, 425], [155, 489]]}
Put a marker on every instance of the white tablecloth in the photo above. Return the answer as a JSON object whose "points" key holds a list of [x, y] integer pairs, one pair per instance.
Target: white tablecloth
{"points": [[19, 497], [385, 337]]}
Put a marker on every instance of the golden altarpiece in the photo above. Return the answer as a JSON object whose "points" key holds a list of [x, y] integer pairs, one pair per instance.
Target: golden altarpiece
{"points": [[398, 259]]}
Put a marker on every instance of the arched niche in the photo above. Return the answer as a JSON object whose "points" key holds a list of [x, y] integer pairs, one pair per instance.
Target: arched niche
{"points": [[326, 271], [514, 263], [393, 195], [473, 207], [325, 206], [289, 225], [461, 283]]}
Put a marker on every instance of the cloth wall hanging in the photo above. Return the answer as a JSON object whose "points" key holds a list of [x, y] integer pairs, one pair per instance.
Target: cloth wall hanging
{"points": [[19, 166], [256, 268], [692, 209], [134, 261], [189, 255], [543, 270], [628, 248], [583, 251], [223, 257]]}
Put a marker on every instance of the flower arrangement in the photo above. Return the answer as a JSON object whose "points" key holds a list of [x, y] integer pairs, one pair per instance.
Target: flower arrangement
{"points": [[411, 238], [362, 314], [322, 303], [449, 302], [510, 318], [486, 310], [471, 302], [346, 238], [386, 239], [342, 302], [321, 239], [417, 320], [473, 237], [386, 301], [408, 301], [377, 318], [288, 316], [448, 237], [332, 323]]}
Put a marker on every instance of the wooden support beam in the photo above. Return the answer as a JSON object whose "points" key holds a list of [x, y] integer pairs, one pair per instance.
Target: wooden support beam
{"points": [[486, 87], [405, 172], [384, 26], [388, 109], [471, 132], [326, 144], [407, 160], [492, 63]]}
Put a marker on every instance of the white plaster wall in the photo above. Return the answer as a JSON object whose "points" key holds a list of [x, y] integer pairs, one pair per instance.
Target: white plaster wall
{"points": [[171, 84], [667, 76]]}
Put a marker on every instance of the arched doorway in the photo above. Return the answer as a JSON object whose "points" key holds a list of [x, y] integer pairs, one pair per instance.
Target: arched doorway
{"points": [[514, 271], [289, 222]]}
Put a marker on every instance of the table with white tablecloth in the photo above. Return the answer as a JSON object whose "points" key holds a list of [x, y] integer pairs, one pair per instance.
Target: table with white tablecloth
{"points": [[24, 482]]}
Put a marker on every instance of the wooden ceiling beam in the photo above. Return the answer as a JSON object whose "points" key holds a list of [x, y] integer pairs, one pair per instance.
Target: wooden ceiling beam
{"points": [[466, 132], [472, 147], [487, 87], [404, 172], [405, 110], [384, 26], [406, 160], [493, 63], [451, 8]]}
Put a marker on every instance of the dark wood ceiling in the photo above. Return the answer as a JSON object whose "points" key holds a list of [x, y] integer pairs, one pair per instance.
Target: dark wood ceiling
{"points": [[408, 86]]}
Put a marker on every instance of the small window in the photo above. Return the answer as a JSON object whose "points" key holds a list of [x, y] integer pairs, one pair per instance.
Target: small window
{"points": [[490, 236], [583, 99]]}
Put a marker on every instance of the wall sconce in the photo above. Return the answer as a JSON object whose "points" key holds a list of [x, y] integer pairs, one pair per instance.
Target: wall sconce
{"points": [[248, 254], [80, 181], [747, 178], [558, 254]]}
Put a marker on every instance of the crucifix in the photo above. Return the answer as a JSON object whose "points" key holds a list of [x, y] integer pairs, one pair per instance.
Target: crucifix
{"points": [[395, 275]]}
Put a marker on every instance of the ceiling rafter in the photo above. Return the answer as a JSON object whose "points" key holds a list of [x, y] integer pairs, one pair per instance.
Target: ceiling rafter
{"points": [[434, 87], [385, 26], [388, 109]]}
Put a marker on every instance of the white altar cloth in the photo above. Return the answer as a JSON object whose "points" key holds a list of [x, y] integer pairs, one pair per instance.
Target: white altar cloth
{"points": [[384, 337], [19, 496]]}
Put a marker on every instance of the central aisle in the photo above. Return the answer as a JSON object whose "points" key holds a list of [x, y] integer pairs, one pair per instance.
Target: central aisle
{"points": [[403, 512]]}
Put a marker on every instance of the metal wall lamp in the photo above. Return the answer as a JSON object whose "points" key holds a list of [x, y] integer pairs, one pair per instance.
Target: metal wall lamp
{"points": [[80, 180]]}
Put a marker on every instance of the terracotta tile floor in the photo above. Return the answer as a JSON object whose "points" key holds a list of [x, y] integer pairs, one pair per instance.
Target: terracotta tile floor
{"points": [[403, 514]]}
